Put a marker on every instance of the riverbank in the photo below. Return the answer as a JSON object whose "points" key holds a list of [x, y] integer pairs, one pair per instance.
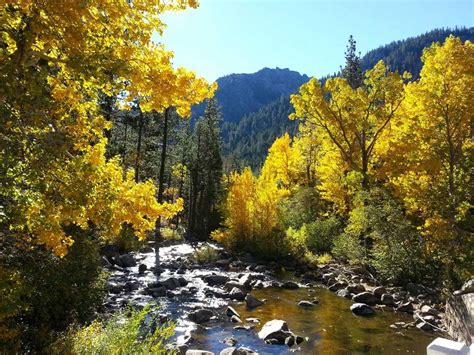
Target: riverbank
{"points": [[184, 287]]}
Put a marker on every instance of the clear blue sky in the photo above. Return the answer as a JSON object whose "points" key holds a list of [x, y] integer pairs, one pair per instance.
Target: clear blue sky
{"points": [[242, 36]]}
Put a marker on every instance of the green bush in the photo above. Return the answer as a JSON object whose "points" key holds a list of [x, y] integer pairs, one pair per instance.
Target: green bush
{"points": [[127, 332], [379, 235], [59, 291], [206, 254], [321, 234], [172, 234]]}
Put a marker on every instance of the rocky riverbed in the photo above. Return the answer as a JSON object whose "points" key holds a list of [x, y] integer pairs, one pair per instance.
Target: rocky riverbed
{"points": [[236, 303]]}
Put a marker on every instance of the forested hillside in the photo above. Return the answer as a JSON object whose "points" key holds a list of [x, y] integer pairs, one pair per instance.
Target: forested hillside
{"points": [[247, 139]]}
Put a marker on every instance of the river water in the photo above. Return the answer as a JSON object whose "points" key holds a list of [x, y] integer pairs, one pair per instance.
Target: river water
{"points": [[329, 327]]}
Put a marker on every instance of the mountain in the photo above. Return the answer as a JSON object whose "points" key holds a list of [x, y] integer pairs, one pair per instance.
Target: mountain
{"points": [[256, 106], [240, 94], [404, 55]]}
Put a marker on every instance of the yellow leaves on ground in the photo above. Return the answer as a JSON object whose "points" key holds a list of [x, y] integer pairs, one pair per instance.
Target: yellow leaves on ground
{"points": [[56, 57]]}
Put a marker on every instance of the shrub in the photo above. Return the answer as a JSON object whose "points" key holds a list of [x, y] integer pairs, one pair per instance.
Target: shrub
{"points": [[128, 332], [171, 234], [58, 292], [206, 254], [322, 232]]}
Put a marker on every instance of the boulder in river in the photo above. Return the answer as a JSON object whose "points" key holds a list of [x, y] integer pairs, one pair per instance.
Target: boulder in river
{"points": [[379, 291], [124, 260], [237, 351], [246, 280], [252, 302], [365, 297], [337, 286], [142, 268], [362, 309], [355, 288], [171, 283], [290, 285], [344, 293], [387, 299], [201, 316], [146, 250], [237, 294], [306, 304], [198, 352], [406, 307], [235, 319], [275, 332], [230, 311], [231, 284], [216, 280]]}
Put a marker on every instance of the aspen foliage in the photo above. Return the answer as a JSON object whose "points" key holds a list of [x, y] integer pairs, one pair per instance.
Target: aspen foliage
{"points": [[56, 58], [428, 153]]}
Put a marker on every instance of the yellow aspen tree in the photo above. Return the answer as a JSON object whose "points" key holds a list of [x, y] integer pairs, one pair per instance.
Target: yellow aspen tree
{"points": [[428, 153], [349, 123], [56, 58]]}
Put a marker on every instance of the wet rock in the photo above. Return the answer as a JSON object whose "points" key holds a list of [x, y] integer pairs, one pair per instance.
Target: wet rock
{"points": [[258, 284], [198, 352], [105, 262], [182, 349], [142, 268], [223, 263], [387, 299], [365, 297], [362, 309], [275, 332], [306, 304], [124, 260], [237, 294], [115, 289], [252, 320], [171, 283], [312, 276], [379, 291], [157, 292], [146, 250], [252, 302], [328, 276], [355, 288], [246, 280], [425, 326], [260, 268], [468, 287], [406, 307], [201, 316], [230, 341], [428, 311], [230, 311], [344, 293], [290, 285], [216, 280], [232, 284], [109, 251], [235, 319], [237, 351], [182, 281], [132, 286], [337, 286]]}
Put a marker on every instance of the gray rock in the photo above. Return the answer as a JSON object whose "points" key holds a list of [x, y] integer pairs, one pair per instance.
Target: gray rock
{"points": [[252, 320], [275, 331], [337, 286], [142, 268], [344, 293], [171, 283], [246, 280], [125, 260], [235, 319], [361, 309], [237, 351], [290, 285], [365, 297], [232, 284], [198, 352], [146, 250], [428, 311], [379, 291], [468, 287], [230, 341], [237, 294], [201, 316], [252, 302], [224, 263], [406, 307], [306, 304], [426, 327], [157, 291], [387, 299], [216, 280], [355, 288], [230, 311]]}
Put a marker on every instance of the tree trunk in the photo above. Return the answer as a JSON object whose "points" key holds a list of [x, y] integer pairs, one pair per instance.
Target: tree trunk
{"points": [[139, 147], [161, 186]]}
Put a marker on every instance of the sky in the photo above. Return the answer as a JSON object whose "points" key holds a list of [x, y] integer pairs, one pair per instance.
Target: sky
{"points": [[242, 36]]}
